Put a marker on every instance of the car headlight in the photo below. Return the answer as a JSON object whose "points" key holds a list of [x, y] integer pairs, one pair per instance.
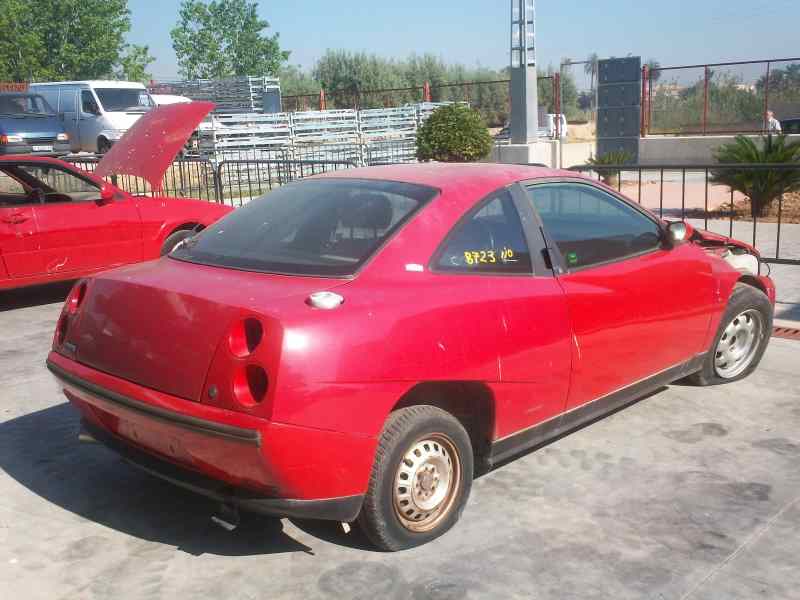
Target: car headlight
{"points": [[62, 137], [10, 139]]}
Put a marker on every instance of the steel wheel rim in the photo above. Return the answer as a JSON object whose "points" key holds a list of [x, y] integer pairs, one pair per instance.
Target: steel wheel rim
{"points": [[426, 483], [739, 343]]}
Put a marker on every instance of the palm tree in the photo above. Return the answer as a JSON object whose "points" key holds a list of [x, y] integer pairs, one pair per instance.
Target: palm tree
{"points": [[761, 186], [590, 68], [654, 67]]}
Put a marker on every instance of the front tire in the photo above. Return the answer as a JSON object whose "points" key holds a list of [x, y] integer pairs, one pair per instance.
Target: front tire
{"points": [[741, 339], [420, 481], [103, 146]]}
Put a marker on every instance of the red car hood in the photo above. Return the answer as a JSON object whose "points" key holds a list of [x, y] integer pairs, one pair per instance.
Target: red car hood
{"points": [[148, 148], [709, 238], [159, 323]]}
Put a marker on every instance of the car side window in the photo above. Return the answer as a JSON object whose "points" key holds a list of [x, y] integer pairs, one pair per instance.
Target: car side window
{"points": [[11, 191], [88, 103], [59, 185], [490, 240], [591, 226], [67, 100]]}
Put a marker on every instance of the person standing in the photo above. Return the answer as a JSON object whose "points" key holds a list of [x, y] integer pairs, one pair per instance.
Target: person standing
{"points": [[773, 125]]}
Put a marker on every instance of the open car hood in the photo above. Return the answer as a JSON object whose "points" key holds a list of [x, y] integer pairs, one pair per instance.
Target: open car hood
{"points": [[148, 148]]}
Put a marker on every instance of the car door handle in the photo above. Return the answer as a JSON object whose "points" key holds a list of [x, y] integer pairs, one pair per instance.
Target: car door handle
{"points": [[15, 219]]}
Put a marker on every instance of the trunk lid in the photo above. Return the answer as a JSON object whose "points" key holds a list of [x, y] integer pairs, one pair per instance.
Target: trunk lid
{"points": [[159, 323]]}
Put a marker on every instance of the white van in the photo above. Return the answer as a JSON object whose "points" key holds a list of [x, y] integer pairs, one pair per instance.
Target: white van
{"points": [[95, 113]]}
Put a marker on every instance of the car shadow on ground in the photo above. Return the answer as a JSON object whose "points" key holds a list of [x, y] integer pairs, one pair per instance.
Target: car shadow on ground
{"points": [[40, 451], [35, 295]]}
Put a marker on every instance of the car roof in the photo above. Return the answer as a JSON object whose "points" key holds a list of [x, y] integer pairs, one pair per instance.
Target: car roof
{"points": [[478, 179], [101, 83]]}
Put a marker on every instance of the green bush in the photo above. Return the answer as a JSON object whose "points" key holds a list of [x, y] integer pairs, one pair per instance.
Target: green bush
{"points": [[454, 133]]}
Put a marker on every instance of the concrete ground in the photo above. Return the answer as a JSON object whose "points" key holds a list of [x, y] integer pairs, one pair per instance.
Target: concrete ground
{"points": [[692, 493]]}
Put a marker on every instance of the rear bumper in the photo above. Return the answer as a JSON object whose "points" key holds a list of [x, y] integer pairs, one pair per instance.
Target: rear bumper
{"points": [[256, 464], [334, 509]]}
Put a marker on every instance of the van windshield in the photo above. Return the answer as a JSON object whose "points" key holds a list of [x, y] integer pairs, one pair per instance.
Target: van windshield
{"points": [[124, 99], [24, 105], [326, 227]]}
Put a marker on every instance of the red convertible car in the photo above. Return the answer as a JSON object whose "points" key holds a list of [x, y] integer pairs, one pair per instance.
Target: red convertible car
{"points": [[59, 222], [354, 346]]}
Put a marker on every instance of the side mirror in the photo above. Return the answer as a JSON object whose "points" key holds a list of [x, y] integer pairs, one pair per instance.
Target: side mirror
{"points": [[678, 231], [106, 193]]}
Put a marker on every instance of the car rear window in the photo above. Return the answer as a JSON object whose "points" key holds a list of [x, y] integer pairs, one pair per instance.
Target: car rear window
{"points": [[325, 227]]}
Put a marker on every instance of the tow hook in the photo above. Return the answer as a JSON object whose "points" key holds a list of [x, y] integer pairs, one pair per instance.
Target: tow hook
{"points": [[227, 517]]}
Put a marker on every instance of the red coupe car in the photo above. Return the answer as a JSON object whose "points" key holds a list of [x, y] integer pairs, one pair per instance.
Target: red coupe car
{"points": [[355, 346], [59, 222]]}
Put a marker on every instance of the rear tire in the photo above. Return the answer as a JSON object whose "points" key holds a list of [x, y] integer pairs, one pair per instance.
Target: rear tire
{"points": [[175, 238], [420, 481], [741, 339]]}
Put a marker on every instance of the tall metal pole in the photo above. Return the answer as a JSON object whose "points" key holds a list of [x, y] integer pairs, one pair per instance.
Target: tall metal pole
{"points": [[705, 100], [524, 126]]}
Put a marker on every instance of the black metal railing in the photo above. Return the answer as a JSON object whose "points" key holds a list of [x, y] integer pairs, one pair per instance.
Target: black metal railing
{"points": [[232, 181], [241, 180], [694, 193], [191, 177]]}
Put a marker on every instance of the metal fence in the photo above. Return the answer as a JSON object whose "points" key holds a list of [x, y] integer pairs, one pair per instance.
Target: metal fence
{"points": [[694, 193], [232, 181], [489, 97], [719, 98], [192, 177], [240, 181]]}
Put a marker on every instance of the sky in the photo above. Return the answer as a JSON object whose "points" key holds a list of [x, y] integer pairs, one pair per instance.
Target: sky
{"points": [[476, 32]]}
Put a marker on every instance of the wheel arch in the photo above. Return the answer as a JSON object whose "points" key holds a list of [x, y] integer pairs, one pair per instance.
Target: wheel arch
{"points": [[753, 281], [471, 402], [184, 227]]}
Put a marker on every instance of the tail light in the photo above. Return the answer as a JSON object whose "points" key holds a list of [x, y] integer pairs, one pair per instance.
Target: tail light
{"points": [[237, 379], [244, 337], [71, 307], [250, 385], [75, 298]]}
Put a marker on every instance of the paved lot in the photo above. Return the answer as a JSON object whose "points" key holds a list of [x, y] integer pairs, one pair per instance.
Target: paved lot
{"points": [[690, 493]]}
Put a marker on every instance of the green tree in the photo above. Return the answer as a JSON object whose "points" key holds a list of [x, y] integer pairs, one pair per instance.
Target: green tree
{"points": [[654, 68], [68, 39], [296, 82], [133, 65], [591, 68], [83, 39], [761, 186], [454, 133], [223, 38], [345, 76], [21, 49]]}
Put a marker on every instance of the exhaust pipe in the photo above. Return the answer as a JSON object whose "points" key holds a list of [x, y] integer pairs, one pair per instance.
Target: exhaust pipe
{"points": [[85, 437], [227, 517]]}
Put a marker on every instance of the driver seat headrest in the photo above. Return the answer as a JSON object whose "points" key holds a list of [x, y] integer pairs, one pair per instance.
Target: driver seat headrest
{"points": [[368, 211]]}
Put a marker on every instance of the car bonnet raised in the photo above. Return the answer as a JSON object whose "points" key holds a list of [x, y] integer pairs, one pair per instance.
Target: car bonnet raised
{"points": [[148, 148]]}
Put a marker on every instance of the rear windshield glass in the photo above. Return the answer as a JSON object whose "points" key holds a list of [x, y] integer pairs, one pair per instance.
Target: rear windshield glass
{"points": [[24, 104], [326, 227], [124, 99]]}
